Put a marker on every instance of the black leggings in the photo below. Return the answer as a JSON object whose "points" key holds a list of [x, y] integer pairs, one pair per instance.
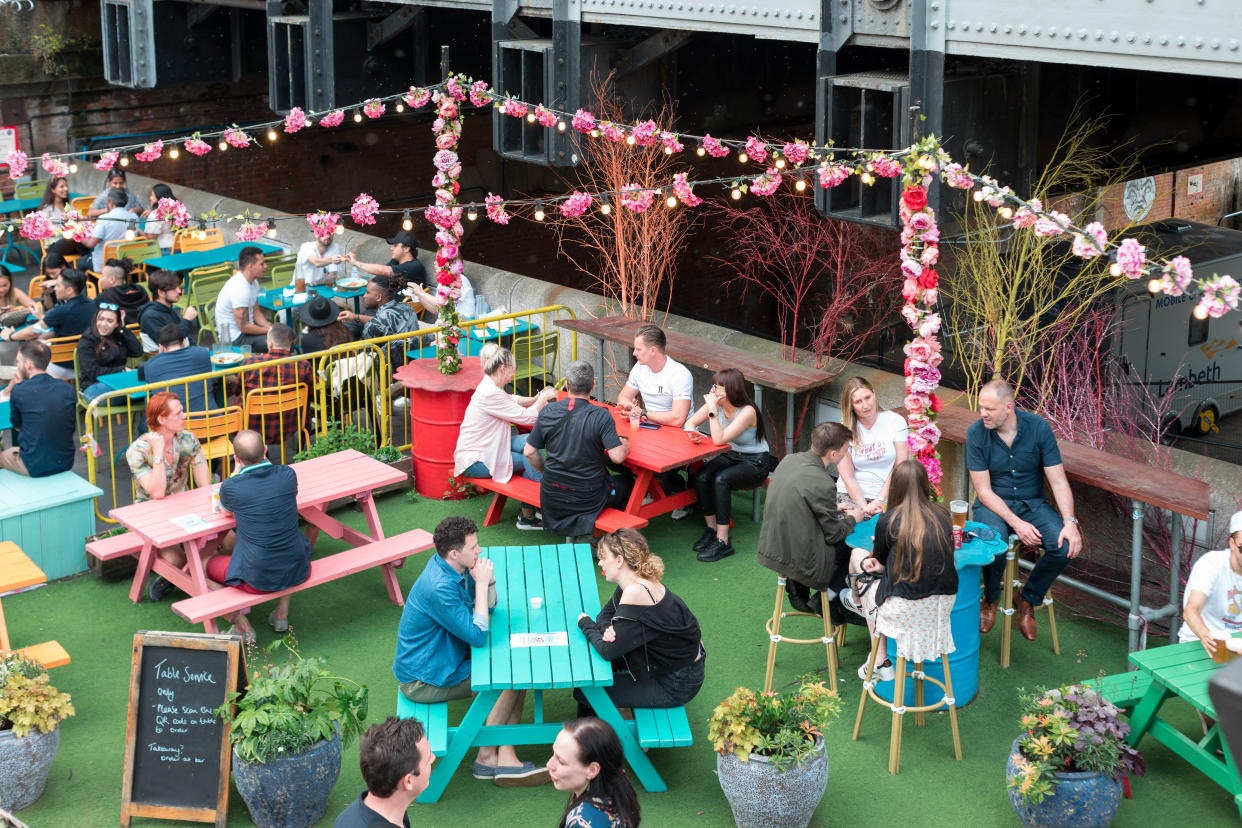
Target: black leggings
{"points": [[717, 479]]}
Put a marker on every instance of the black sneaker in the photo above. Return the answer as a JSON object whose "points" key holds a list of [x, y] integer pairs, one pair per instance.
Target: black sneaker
{"points": [[157, 588], [716, 550], [707, 537], [529, 524]]}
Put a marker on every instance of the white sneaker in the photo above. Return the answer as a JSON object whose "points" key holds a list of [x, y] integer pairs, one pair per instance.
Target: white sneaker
{"points": [[679, 513], [883, 672], [847, 601]]}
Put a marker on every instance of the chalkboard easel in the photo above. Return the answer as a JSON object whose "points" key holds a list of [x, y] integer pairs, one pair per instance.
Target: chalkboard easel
{"points": [[177, 754]]}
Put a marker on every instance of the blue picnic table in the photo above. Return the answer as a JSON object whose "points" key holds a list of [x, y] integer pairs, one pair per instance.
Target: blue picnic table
{"points": [[477, 335], [538, 649], [180, 262], [21, 205], [5, 422], [274, 299]]}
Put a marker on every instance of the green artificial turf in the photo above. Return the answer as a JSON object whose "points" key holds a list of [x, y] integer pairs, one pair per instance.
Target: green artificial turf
{"points": [[353, 625]]}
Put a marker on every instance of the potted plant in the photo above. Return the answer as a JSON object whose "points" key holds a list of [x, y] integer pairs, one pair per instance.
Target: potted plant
{"points": [[287, 731], [30, 709], [770, 758], [1065, 769]]}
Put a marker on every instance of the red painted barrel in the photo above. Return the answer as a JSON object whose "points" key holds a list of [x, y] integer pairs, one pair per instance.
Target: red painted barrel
{"points": [[437, 405]]}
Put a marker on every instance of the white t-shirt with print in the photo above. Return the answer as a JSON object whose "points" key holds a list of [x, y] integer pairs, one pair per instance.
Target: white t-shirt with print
{"points": [[876, 452], [1213, 576], [661, 389], [238, 292], [315, 275]]}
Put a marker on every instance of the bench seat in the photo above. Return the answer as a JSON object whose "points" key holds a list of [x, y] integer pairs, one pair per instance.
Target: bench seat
{"points": [[115, 546], [526, 490], [660, 727], [227, 600], [50, 518], [50, 654], [1124, 690], [434, 718]]}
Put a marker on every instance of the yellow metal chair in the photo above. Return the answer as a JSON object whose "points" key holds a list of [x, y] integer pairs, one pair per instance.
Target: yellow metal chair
{"points": [[82, 203], [70, 258], [829, 639], [214, 238], [534, 356], [286, 403], [215, 429]]}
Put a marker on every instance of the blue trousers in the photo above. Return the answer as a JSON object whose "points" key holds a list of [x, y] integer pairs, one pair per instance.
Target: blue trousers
{"points": [[521, 468], [1047, 520]]}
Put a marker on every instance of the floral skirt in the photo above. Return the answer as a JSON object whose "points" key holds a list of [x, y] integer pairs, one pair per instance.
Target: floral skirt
{"points": [[920, 628]]}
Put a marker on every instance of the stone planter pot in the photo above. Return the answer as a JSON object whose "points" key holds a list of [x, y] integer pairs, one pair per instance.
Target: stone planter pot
{"points": [[289, 791], [24, 766], [763, 797], [1080, 800]]}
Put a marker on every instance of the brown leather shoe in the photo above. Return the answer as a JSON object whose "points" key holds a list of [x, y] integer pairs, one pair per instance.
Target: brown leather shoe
{"points": [[987, 616], [1026, 618]]}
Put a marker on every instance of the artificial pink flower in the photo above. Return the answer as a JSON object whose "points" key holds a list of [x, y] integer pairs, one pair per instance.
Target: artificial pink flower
{"points": [[17, 161], [439, 216], [373, 108], [1177, 276], [914, 403], [333, 118], [756, 149], [414, 99], [670, 142], [454, 87], [323, 224], [197, 146], [513, 108], [107, 161], [446, 140], [295, 120], [364, 209], [545, 117], [448, 109], [645, 133], [684, 192], [444, 160], [150, 152], [796, 152], [767, 183], [830, 175], [1132, 257], [234, 137], [714, 148], [479, 95], [54, 166], [583, 121], [1091, 241], [1028, 215], [576, 204], [172, 210], [249, 231], [955, 176], [636, 198], [1051, 224], [885, 167], [36, 226]]}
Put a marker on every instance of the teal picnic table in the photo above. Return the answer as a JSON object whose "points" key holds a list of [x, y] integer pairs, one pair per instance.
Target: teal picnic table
{"points": [[503, 331], [1183, 671], [538, 649], [180, 262], [16, 206]]}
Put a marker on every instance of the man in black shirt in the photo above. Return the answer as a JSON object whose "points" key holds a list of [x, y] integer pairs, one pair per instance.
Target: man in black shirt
{"points": [[396, 765], [165, 291], [115, 288], [42, 413], [403, 263], [70, 317], [580, 438]]}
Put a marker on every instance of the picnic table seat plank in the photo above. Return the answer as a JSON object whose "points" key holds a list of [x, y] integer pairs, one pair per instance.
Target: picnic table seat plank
{"points": [[660, 727], [50, 654], [17, 570], [115, 546], [526, 490], [434, 718], [213, 604]]}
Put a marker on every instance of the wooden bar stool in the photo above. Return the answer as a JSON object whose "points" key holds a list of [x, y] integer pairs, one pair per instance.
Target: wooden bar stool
{"points": [[1009, 603], [898, 706], [829, 639]]}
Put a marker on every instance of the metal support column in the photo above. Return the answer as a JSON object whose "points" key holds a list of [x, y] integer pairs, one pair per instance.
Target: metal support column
{"points": [[321, 85], [566, 72], [1175, 574], [927, 73], [835, 28], [1136, 621]]}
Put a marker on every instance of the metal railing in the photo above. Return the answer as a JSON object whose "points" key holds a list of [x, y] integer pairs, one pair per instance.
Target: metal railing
{"points": [[350, 391]]}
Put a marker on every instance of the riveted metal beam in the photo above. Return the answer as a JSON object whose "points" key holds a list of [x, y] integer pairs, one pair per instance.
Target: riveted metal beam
{"points": [[394, 24], [651, 50], [321, 84], [566, 69]]}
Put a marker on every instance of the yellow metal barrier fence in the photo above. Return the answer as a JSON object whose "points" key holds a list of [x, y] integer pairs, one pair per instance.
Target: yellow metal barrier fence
{"points": [[341, 396]]}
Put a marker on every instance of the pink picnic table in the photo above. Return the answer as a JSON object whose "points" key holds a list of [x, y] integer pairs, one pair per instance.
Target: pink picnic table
{"points": [[320, 481]]}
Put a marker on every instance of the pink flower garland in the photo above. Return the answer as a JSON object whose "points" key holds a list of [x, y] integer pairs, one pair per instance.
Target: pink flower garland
{"points": [[583, 121], [479, 93], [234, 137], [645, 133], [714, 148], [767, 183], [636, 198], [373, 108], [295, 120], [36, 226], [197, 146], [249, 231], [684, 192], [756, 149], [364, 209], [17, 161], [414, 99], [54, 166], [446, 215], [576, 204], [797, 152], [332, 119], [496, 209], [831, 175], [73, 227], [172, 210], [1220, 295], [151, 152], [107, 161], [323, 224]]}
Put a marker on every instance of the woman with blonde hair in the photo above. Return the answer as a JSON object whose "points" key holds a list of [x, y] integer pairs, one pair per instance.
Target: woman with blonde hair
{"points": [[911, 560], [877, 445], [645, 630], [486, 446]]}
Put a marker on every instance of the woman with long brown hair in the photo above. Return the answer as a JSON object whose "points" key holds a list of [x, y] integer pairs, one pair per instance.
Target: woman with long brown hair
{"points": [[911, 560]]}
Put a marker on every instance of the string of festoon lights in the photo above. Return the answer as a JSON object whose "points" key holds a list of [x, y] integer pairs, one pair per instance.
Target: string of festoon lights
{"points": [[800, 163]]}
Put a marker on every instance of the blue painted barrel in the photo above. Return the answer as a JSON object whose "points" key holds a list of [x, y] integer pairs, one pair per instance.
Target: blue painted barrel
{"points": [[964, 621]]}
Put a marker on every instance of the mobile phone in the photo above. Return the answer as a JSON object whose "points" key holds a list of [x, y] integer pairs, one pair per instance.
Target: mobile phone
{"points": [[652, 426]]}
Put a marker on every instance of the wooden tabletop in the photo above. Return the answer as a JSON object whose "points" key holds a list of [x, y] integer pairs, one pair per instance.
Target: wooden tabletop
{"points": [[320, 480], [713, 356], [1126, 477], [17, 571], [563, 576]]}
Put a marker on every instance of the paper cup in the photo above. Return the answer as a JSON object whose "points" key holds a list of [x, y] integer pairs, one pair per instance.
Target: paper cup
{"points": [[536, 603]]}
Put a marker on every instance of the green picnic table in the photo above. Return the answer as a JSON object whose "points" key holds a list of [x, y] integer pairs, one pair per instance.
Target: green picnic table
{"points": [[538, 649], [1183, 671]]}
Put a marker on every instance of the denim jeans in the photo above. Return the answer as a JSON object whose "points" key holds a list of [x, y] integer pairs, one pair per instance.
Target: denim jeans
{"points": [[520, 465], [1047, 520]]}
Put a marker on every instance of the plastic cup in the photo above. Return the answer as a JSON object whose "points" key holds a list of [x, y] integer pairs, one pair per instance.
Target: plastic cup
{"points": [[536, 603], [635, 420], [1221, 654], [958, 509]]}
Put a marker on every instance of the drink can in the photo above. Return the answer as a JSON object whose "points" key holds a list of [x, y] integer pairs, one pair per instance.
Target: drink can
{"points": [[957, 537], [215, 500]]}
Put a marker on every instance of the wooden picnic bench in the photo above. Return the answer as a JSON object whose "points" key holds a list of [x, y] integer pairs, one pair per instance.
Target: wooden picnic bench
{"points": [[383, 553], [115, 546], [526, 490], [17, 571]]}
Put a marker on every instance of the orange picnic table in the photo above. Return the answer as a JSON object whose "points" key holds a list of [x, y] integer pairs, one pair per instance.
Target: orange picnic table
{"points": [[17, 571], [186, 518]]}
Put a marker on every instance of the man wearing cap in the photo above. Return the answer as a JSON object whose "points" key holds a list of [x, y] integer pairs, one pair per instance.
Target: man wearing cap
{"points": [[1213, 600], [403, 264], [318, 262]]}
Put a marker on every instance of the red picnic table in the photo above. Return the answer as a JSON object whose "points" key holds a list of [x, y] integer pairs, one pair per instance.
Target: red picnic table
{"points": [[654, 451], [186, 518]]}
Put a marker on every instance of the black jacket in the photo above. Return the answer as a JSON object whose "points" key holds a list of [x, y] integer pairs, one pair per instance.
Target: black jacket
{"points": [[650, 640], [110, 357]]}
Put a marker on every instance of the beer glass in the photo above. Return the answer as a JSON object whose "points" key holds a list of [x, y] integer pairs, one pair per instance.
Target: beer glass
{"points": [[957, 509]]}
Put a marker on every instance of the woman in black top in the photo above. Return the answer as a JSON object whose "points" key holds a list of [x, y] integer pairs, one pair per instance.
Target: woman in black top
{"points": [[647, 632], [912, 559], [103, 349]]}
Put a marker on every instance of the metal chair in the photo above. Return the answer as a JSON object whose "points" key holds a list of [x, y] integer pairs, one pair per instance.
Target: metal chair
{"points": [[82, 203], [215, 429], [1008, 604], [280, 402], [829, 639], [214, 238], [29, 189], [534, 356]]}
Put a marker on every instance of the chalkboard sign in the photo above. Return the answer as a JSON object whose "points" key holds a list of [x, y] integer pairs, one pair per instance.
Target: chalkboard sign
{"points": [[176, 748]]}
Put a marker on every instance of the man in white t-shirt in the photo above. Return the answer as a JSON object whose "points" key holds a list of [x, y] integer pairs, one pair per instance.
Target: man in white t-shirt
{"points": [[318, 262], [110, 226], [238, 319], [1213, 599]]}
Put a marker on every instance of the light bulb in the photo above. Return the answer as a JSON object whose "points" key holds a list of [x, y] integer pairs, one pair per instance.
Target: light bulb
{"points": [[530, 117], [668, 150], [400, 107], [736, 194], [271, 229], [780, 163], [406, 223], [595, 133], [1154, 286], [1200, 312], [977, 195], [73, 168], [742, 157], [539, 212], [605, 208], [68, 234], [340, 230], [671, 202], [1006, 212], [124, 160], [472, 214], [1114, 270], [131, 231], [799, 185], [629, 139], [224, 146], [866, 178], [271, 135], [560, 126], [174, 153], [357, 117], [700, 152]]}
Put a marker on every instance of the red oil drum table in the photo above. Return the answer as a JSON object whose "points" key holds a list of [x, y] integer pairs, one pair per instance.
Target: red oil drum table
{"points": [[437, 405]]}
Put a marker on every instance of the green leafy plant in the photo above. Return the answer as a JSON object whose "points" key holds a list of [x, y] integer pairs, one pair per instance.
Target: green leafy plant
{"points": [[1069, 729], [290, 706], [781, 727], [27, 699], [342, 436], [47, 44]]}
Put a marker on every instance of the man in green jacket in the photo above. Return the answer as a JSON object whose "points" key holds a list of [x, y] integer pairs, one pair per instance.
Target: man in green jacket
{"points": [[803, 530]]}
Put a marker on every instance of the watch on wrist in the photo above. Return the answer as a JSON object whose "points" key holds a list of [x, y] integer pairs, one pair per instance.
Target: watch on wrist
{"points": [[1072, 520], [711, 415]]}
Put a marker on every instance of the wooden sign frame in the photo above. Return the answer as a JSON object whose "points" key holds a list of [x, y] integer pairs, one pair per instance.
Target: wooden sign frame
{"points": [[232, 645]]}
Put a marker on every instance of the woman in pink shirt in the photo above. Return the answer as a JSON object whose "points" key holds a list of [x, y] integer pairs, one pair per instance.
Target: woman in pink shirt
{"points": [[486, 446]]}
